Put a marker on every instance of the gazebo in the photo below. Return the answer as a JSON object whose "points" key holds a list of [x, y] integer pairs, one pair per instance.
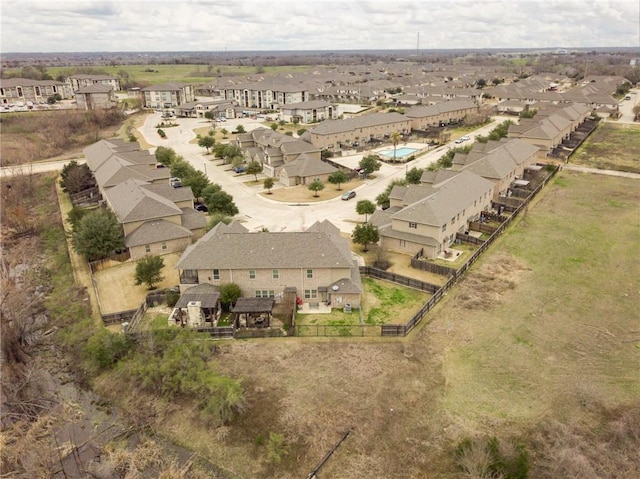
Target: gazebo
{"points": [[253, 312]]}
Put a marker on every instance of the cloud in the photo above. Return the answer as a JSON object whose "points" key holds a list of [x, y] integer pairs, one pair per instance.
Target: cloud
{"points": [[218, 25]]}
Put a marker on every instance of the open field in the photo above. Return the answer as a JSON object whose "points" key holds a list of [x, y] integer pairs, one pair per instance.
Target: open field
{"points": [[539, 343], [610, 146], [152, 74]]}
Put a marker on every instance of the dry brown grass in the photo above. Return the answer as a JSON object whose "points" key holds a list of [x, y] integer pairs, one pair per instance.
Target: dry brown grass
{"points": [[28, 137], [486, 287], [540, 348], [611, 146], [302, 193]]}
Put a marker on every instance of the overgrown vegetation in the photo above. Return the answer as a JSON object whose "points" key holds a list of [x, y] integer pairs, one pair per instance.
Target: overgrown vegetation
{"points": [[32, 137], [488, 458], [175, 366]]}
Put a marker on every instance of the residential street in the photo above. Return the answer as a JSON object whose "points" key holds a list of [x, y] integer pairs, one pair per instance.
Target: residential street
{"points": [[259, 212]]}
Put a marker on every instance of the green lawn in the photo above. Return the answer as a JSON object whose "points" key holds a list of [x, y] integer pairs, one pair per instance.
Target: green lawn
{"points": [[152, 74], [382, 303]]}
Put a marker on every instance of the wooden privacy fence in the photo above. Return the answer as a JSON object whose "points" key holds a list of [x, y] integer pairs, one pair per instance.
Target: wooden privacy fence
{"points": [[398, 279], [112, 260], [403, 329], [482, 227], [119, 317], [365, 330], [416, 263], [469, 239]]}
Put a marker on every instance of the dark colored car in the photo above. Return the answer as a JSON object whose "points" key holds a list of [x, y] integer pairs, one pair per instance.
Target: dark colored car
{"points": [[240, 169], [201, 207]]}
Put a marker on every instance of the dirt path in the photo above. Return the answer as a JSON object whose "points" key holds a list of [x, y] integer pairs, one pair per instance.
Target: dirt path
{"points": [[596, 171]]}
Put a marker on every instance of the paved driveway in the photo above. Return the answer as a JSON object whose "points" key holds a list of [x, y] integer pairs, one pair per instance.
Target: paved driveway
{"points": [[259, 212]]}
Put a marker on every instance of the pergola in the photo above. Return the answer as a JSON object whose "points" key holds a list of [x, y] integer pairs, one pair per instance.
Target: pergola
{"points": [[256, 312]]}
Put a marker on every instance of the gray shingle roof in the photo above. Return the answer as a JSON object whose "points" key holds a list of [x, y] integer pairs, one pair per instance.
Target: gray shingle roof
{"points": [[206, 293], [221, 248], [439, 108], [330, 127], [95, 88], [156, 231], [131, 202], [305, 167], [447, 200]]}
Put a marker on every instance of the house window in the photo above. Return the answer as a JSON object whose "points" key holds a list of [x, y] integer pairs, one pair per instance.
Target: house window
{"points": [[164, 245], [413, 225], [19, 89], [216, 274], [403, 243], [147, 248], [444, 227], [263, 293], [310, 293], [309, 274], [275, 274], [252, 274], [453, 220]]}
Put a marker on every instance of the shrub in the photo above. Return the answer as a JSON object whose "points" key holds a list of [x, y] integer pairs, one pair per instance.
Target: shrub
{"points": [[488, 458], [104, 349], [171, 298], [276, 448]]}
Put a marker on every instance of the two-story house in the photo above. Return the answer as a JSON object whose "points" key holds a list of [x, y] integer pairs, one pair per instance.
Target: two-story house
{"points": [[316, 263], [276, 151], [332, 134], [427, 216], [423, 117], [156, 218], [500, 162]]}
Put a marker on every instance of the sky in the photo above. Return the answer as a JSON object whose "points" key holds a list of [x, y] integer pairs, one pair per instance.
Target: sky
{"points": [[250, 25]]}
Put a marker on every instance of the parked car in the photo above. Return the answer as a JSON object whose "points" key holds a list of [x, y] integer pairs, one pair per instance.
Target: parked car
{"points": [[459, 140], [347, 195], [466, 138], [175, 182], [240, 169], [201, 207]]}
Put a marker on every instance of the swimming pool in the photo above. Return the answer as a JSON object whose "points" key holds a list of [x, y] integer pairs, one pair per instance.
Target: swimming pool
{"points": [[400, 152]]}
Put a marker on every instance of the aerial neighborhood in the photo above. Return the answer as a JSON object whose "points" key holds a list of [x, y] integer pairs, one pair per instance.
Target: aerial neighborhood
{"points": [[397, 113], [387, 264]]}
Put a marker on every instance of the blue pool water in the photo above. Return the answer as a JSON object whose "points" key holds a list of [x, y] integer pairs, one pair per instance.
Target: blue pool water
{"points": [[400, 152]]}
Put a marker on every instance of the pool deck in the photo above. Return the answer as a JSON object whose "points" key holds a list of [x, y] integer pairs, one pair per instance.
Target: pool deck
{"points": [[416, 149]]}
